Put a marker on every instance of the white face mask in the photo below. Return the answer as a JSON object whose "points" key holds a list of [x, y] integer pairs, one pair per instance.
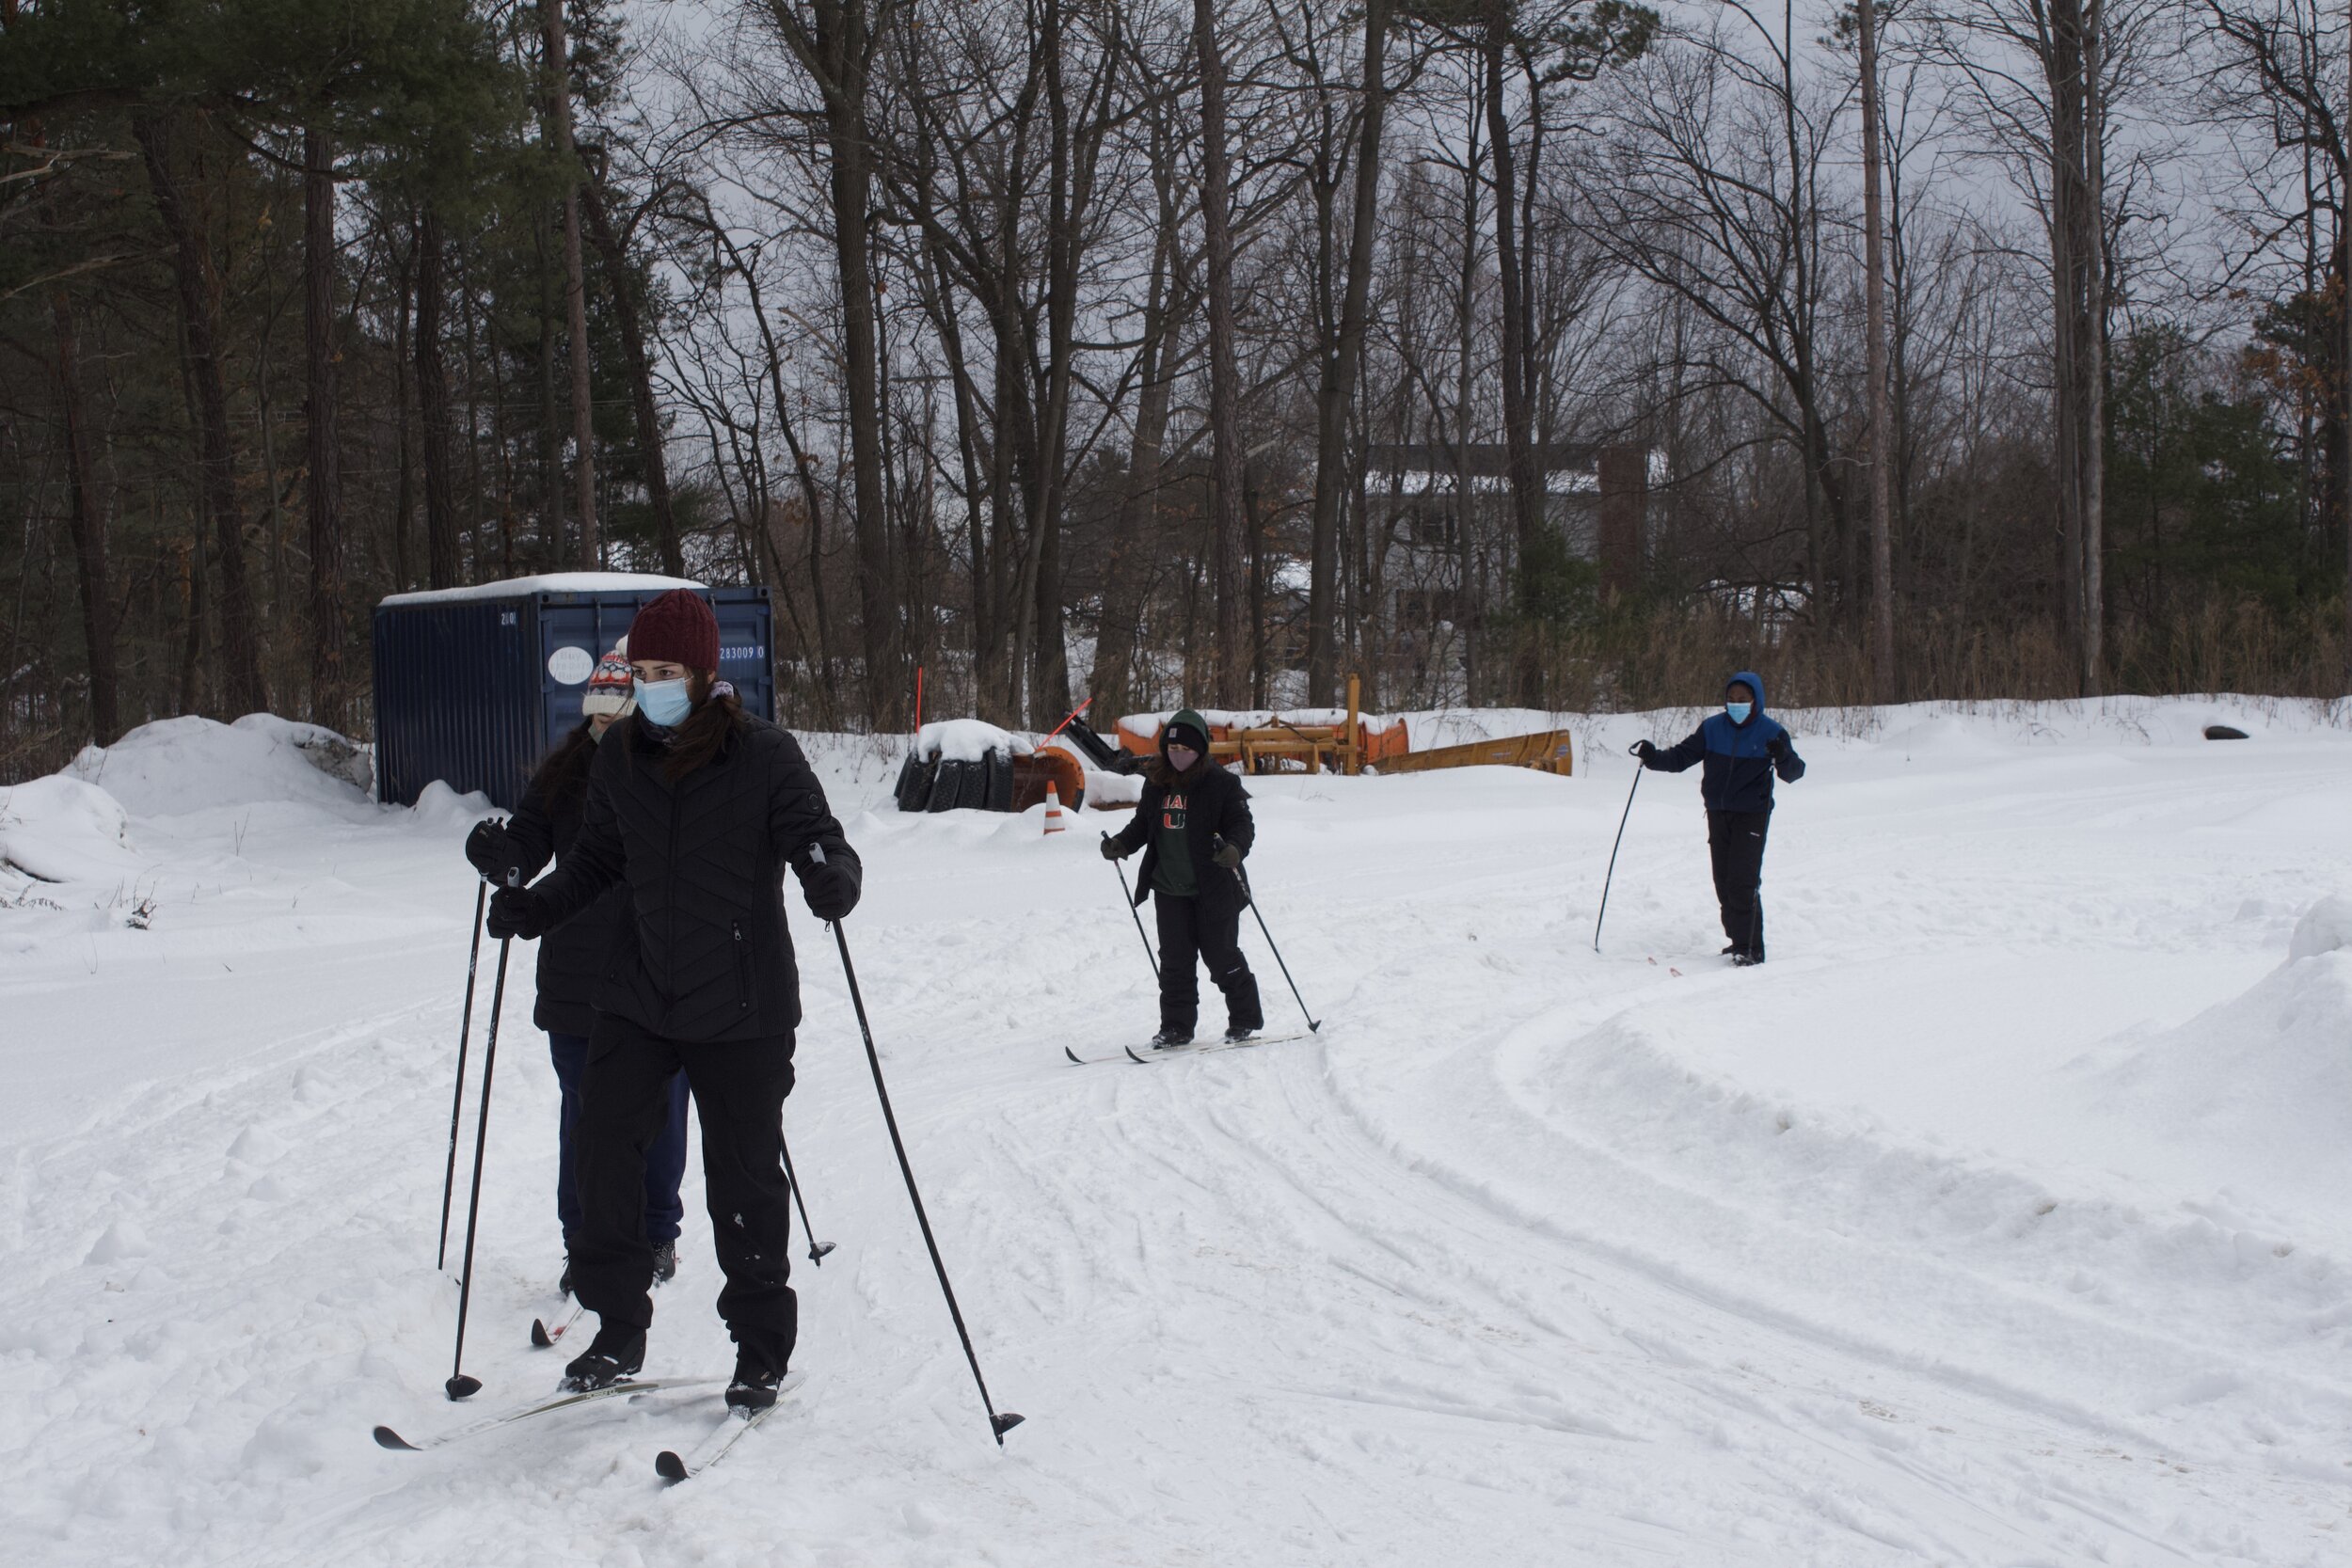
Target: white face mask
{"points": [[1181, 758]]}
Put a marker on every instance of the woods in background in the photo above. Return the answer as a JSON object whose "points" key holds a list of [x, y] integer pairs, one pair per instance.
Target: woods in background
{"points": [[1502, 351]]}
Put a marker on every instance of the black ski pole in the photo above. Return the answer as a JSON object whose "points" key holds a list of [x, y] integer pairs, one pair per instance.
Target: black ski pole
{"points": [[1251, 898], [1638, 771], [816, 1250], [1127, 897], [459, 1386], [997, 1423], [457, 1097]]}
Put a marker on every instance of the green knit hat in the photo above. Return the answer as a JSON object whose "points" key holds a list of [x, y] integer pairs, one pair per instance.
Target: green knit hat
{"points": [[1187, 719]]}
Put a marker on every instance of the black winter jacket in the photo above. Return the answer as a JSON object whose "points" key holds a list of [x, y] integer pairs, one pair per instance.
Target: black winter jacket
{"points": [[571, 956], [1216, 807], [704, 955]]}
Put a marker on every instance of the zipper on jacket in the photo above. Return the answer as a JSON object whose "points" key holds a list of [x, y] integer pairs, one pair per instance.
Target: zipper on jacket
{"points": [[669, 948], [743, 969]]}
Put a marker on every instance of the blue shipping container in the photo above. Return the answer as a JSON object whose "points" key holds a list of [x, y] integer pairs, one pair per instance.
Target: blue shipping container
{"points": [[473, 686]]}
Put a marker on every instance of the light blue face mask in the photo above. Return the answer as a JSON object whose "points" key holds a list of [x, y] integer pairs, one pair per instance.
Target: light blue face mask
{"points": [[664, 703], [1739, 711]]}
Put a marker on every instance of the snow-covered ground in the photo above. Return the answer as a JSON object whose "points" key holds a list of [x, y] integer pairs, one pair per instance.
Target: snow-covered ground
{"points": [[2004, 1219]]}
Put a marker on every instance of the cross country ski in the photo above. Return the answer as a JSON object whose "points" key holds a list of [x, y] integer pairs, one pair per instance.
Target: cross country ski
{"points": [[387, 1438], [730, 1429]]}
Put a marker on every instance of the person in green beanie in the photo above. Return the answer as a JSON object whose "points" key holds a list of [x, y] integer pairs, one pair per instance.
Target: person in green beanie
{"points": [[1193, 827]]}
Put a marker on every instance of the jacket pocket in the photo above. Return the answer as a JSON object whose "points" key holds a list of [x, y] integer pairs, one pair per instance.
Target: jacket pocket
{"points": [[743, 969]]}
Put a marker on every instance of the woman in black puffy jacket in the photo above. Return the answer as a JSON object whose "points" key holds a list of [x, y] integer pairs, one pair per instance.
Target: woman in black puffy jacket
{"points": [[573, 954], [697, 810]]}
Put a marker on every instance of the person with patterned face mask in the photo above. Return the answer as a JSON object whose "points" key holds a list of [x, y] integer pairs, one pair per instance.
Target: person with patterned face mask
{"points": [[1743, 751], [1193, 827], [572, 955]]}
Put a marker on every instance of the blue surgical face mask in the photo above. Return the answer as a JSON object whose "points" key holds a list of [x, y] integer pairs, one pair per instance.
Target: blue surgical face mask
{"points": [[664, 703], [1738, 712]]}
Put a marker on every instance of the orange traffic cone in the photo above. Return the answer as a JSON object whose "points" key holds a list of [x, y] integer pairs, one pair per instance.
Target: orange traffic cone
{"points": [[1053, 809]]}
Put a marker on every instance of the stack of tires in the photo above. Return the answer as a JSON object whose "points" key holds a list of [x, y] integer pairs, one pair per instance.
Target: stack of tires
{"points": [[996, 781], [945, 784]]}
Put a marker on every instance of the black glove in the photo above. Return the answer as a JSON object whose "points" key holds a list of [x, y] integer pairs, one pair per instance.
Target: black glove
{"points": [[1113, 850], [1227, 856], [831, 888], [1777, 748], [489, 850], [516, 912], [1643, 750]]}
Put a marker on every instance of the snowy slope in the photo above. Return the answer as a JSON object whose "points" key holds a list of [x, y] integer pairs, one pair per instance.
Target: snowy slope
{"points": [[2005, 1217]]}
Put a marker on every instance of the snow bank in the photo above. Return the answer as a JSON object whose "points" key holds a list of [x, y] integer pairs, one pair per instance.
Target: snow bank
{"points": [[1148, 726], [966, 740], [439, 806], [177, 766], [1114, 789], [546, 582], [2325, 926], [2262, 1083], [61, 829]]}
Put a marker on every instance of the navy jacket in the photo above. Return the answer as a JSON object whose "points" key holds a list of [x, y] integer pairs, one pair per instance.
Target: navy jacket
{"points": [[1738, 759]]}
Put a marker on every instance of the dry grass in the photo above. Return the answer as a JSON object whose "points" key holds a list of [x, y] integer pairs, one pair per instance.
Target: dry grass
{"points": [[1670, 661]]}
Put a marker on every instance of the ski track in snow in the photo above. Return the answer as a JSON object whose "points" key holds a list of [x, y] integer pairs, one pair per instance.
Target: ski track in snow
{"points": [[1533, 1255]]}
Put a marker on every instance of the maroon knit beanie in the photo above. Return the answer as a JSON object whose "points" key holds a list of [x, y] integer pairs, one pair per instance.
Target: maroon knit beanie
{"points": [[676, 628]]}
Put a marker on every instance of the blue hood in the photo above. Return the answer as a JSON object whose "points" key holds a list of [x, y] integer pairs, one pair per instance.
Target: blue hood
{"points": [[1755, 683]]}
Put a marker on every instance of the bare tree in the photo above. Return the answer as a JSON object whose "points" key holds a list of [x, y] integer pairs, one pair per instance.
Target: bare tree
{"points": [[557, 86]]}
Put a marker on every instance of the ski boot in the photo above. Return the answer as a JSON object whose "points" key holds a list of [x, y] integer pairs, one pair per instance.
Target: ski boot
{"points": [[1168, 1040], [614, 1355], [754, 1387], [1239, 1033], [664, 1262]]}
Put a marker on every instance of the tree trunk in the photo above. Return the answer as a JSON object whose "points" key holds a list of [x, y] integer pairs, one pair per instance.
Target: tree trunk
{"points": [[1049, 685], [192, 644], [559, 109], [2077, 276], [2091, 215], [403, 293], [1336, 393], [985, 676], [837, 49], [88, 522], [443, 566], [239, 650], [1228, 459], [325, 480], [629, 309], [811, 499], [1526, 485], [1874, 327], [550, 433], [1119, 629]]}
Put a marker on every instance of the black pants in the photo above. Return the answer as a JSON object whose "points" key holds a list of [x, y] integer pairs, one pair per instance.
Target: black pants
{"points": [[1735, 842], [1207, 929], [665, 1162], [739, 1092]]}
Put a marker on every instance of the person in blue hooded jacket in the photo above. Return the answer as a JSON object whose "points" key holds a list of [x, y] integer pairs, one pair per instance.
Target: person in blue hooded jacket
{"points": [[1741, 750]]}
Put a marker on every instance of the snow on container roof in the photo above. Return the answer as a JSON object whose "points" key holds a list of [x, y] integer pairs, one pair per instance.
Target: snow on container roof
{"points": [[546, 582]]}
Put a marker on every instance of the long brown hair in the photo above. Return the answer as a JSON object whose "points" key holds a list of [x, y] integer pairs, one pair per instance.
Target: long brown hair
{"points": [[566, 769], [704, 732]]}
